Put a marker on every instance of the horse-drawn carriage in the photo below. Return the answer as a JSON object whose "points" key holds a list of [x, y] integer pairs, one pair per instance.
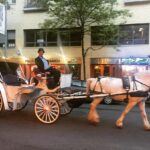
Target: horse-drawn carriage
{"points": [[49, 104]]}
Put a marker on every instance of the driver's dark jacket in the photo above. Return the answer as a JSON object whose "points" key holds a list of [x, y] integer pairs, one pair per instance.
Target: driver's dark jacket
{"points": [[40, 64]]}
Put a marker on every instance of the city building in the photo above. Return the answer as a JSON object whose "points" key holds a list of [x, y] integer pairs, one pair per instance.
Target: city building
{"points": [[129, 54]]}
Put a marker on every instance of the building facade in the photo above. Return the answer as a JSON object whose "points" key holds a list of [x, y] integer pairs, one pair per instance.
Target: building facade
{"points": [[129, 54]]}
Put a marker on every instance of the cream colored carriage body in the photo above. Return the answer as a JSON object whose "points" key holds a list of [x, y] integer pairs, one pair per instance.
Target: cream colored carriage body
{"points": [[15, 95], [13, 92]]}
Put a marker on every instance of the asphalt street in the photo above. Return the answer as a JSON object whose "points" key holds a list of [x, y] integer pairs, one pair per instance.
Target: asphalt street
{"points": [[22, 131]]}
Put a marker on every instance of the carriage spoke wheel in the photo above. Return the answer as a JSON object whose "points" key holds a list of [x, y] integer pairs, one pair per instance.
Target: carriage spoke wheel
{"points": [[21, 104], [1, 102], [46, 109], [65, 109]]}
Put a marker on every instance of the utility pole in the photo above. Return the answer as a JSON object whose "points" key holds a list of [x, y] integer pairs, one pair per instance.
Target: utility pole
{"points": [[6, 35]]}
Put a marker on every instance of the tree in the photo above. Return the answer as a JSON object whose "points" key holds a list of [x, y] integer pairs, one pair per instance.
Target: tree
{"points": [[83, 14], [1, 1]]}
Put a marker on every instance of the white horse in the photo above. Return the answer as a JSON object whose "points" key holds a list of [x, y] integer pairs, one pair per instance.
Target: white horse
{"points": [[114, 85]]}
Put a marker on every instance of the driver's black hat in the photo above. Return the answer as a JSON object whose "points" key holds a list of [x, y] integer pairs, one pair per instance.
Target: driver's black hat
{"points": [[41, 49]]}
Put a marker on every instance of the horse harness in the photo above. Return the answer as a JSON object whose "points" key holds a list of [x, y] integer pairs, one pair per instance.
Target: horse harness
{"points": [[126, 86]]}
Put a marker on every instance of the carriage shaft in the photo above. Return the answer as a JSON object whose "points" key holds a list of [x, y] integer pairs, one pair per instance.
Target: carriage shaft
{"points": [[71, 96]]}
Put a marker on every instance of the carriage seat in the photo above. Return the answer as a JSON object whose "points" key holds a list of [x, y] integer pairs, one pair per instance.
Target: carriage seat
{"points": [[11, 79], [14, 86]]}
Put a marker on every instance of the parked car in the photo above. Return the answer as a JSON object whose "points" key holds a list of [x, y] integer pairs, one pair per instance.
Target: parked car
{"points": [[107, 100]]}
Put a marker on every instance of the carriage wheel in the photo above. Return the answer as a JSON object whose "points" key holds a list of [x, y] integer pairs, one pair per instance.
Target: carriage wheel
{"points": [[46, 109], [1, 103], [65, 109], [108, 100], [20, 105]]}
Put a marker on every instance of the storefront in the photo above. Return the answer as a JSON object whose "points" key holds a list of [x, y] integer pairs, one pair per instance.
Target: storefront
{"points": [[133, 65], [117, 67], [70, 65]]}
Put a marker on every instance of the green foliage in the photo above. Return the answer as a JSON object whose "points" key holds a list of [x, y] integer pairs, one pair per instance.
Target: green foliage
{"points": [[81, 13], [108, 34], [2, 1]]}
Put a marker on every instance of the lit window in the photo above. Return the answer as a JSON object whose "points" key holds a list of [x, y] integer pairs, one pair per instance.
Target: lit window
{"points": [[12, 1]]}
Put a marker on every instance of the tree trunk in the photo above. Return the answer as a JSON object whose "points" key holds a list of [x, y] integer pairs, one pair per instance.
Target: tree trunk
{"points": [[83, 55], [84, 68]]}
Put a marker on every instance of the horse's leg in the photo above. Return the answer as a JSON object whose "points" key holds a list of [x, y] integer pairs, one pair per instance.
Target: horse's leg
{"points": [[132, 102], [141, 105], [93, 116]]}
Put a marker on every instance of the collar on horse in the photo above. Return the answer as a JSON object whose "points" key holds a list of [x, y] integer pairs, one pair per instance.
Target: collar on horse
{"points": [[98, 81]]}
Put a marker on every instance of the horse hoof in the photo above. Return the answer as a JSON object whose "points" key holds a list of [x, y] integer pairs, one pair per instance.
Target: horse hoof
{"points": [[119, 125], [94, 122], [147, 128]]}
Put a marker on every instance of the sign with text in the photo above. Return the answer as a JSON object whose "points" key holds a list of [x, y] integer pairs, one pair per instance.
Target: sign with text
{"points": [[135, 61], [2, 18]]}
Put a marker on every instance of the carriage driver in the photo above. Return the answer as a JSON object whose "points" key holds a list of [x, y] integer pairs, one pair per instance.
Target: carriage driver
{"points": [[44, 67]]}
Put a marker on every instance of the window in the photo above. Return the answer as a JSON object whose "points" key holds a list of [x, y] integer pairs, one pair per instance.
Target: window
{"points": [[12, 1], [75, 70], [51, 38], [135, 1], [30, 39], [75, 38], [30, 3], [40, 38], [124, 35], [11, 39], [11, 42], [64, 37], [104, 35], [2, 40], [37, 38], [70, 37], [134, 34], [67, 37]]}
